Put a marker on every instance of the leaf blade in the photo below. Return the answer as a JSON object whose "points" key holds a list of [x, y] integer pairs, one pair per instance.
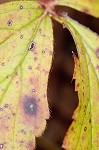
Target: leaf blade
{"points": [[84, 131], [23, 80], [86, 6]]}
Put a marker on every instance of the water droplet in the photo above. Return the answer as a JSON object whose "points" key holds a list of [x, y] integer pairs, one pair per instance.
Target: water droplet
{"points": [[1, 145], [31, 46], [30, 67], [21, 7], [9, 23]]}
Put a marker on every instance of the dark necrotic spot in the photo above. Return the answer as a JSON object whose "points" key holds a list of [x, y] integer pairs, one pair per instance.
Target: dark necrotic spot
{"points": [[31, 46], [90, 120], [2, 64], [21, 7], [1, 109], [21, 36], [30, 106], [85, 128], [43, 52], [30, 67], [1, 146], [9, 22]]}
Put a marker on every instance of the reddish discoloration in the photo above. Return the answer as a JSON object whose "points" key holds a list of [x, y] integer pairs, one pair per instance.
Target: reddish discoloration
{"points": [[30, 145], [30, 106], [33, 81], [86, 11], [34, 122], [97, 67], [97, 51], [76, 86], [49, 5]]}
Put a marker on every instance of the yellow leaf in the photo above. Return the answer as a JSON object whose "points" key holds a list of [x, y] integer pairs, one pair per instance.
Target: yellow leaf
{"points": [[90, 7], [26, 47], [84, 131]]}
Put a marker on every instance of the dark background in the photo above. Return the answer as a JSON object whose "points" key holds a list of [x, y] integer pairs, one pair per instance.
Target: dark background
{"points": [[62, 97]]}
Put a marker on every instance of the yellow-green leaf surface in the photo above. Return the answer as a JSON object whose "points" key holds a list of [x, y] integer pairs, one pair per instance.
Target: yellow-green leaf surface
{"points": [[26, 47], [84, 131], [90, 7]]}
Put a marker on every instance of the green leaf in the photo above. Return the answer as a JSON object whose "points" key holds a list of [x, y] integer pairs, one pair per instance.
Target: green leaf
{"points": [[86, 6], [84, 131], [26, 47]]}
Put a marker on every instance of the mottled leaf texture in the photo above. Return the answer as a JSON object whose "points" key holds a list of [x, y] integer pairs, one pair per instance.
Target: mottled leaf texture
{"points": [[26, 47], [90, 7], [84, 131]]}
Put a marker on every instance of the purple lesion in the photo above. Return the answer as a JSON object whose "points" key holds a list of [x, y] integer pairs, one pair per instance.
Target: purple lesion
{"points": [[30, 106]]}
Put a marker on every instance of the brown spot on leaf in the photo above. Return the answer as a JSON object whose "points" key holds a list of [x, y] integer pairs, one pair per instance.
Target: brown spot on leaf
{"points": [[30, 145], [32, 46], [10, 22], [21, 7], [1, 146], [90, 120], [85, 128], [21, 37], [72, 129], [30, 106], [2, 64], [97, 67], [30, 67], [6, 106]]}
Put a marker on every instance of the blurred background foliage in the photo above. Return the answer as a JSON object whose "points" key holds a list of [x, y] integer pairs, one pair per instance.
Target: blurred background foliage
{"points": [[62, 97]]}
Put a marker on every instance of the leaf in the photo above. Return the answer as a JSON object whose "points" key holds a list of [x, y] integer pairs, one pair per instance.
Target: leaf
{"points": [[26, 47], [84, 131], [90, 7]]}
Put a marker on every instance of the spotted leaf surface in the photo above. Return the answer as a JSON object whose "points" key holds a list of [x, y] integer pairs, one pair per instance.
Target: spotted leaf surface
{"points": [[26, 47], [90, 7], [84, 131]]}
